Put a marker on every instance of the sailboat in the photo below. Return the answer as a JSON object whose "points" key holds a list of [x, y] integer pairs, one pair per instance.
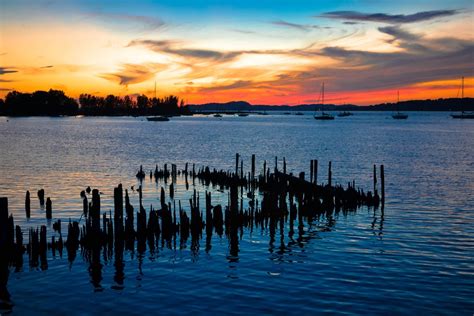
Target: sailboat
{"points": [[463, 115], [345, 114], [399, 115], [323, 116]]}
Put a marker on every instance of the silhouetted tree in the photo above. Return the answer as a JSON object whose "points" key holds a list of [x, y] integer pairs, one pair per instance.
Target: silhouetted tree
{"points": [[55, 102], [52, 102]]}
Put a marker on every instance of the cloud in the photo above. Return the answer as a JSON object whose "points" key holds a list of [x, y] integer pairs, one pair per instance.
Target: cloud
{"points": [[133, 73], [7, 70], [235, 85], [175, 48], [148, 23], [243, 31], [299, 27], [389, 18], [398, 33]]}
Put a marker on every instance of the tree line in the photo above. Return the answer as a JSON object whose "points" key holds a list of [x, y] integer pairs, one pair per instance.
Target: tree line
{"points": [[56, 103]]}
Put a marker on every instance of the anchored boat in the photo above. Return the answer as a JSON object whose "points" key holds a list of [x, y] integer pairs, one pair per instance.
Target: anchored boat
{"points": [[399, 115], [323, 116], [345, 114], [463, 114], [158, 119]]}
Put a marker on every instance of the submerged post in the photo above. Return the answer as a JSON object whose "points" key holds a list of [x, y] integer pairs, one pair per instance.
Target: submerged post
{"points": [[27, 204], [375, 179], [49, 209], [329, 174], [382, 182], [237, 164], [3, 225], [315, 167], [118, 205], [41, 197], [253, 167]]}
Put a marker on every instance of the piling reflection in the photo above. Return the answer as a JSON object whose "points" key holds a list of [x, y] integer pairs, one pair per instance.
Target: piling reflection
{"points": [[279, 203]]}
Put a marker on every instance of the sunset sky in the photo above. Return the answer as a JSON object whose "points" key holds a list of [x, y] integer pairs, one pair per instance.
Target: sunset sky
{"points": [[264, 52]]}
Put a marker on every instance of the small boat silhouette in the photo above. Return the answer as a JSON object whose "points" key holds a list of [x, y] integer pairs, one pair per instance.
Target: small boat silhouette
{"points": [[345, 114], [323, 116], [399, 115], [463, 115], [158, 119]]}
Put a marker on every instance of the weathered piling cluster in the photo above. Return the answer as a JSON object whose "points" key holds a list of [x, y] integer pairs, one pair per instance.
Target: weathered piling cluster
{"points": [[272, 198]]}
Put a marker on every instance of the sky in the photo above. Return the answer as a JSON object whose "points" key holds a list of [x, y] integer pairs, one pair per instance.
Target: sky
{"points": [[263, 52]]}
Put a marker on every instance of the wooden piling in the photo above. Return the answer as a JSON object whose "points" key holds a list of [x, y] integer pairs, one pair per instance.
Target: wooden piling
{"points": [[3, 225], [49, 209], [382, 182], [236, 165], [27, 204], [311, 171], [118, 205], [253, 167], [329, 174], [41, 197], [315, 169], [375, 179]]}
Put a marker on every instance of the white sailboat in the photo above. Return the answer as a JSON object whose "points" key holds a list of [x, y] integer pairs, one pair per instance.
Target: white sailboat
{"points": [[323, 116], [463, 115], [399, 115]]}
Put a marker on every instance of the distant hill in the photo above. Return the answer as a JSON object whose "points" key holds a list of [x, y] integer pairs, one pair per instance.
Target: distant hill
{"points": [[454, 104]]}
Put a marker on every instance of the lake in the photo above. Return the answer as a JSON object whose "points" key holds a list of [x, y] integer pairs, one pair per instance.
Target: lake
{"points": [[415, 257]]}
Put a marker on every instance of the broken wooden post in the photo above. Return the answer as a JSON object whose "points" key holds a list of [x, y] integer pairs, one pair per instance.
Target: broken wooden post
{"points": [[315, 169], [311, 171], [95, 210], [118, 206], [253, 167], [3, 225], [49, 209], [375, 179], [236, 165], [382, 182], [330, 174], [27, 204], [41, 197]]}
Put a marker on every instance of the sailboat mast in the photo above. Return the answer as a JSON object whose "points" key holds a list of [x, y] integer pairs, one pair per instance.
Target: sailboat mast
{"points": [[462, 88], [323, 93], [155, 89]]}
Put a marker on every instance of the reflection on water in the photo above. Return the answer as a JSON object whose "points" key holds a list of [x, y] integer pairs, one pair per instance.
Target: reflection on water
{"points": [[418, 250]]}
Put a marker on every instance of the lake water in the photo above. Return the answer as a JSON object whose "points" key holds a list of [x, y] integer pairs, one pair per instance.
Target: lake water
{"points": [[416, 257]]}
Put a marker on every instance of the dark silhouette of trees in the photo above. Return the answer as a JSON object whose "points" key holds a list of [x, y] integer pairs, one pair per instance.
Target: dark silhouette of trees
{"points": [[49, 103], [55, 102], [113, 105]]}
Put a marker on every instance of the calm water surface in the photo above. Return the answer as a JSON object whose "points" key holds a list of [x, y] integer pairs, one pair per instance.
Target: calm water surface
{"points": [[416, 257]]}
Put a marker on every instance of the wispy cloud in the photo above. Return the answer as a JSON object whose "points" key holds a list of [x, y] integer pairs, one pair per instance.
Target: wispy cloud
{"points": [[134, 73], [175, 48], [298, 26], [389, 18], [7, 70], [147, 23], [243, 31]]}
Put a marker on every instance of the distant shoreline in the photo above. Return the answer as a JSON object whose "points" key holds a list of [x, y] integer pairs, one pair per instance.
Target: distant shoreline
{"points": [[439, 105]]}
